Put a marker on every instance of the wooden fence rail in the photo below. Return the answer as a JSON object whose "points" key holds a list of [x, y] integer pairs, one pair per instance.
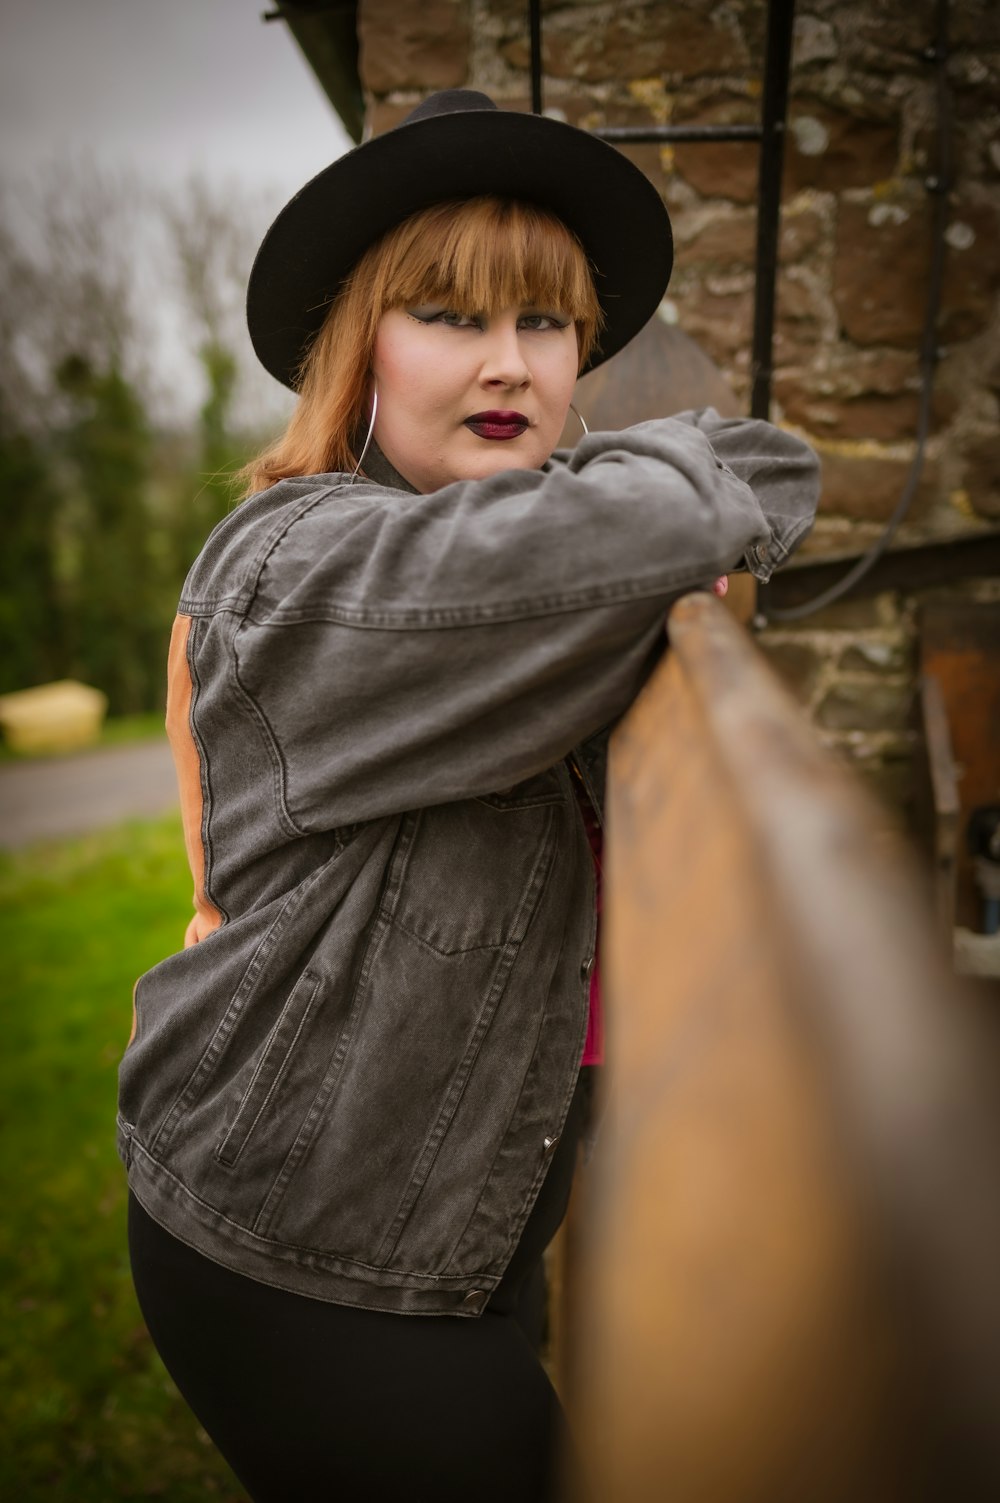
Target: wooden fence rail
{"points": [[789, 1283]]}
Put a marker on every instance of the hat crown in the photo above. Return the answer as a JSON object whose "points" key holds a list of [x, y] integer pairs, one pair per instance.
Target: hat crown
{"points": [[449, 102], [456, 145]]}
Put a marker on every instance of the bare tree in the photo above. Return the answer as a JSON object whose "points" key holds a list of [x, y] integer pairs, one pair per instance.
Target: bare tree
{"points": [[67, 287], [213, 232]]}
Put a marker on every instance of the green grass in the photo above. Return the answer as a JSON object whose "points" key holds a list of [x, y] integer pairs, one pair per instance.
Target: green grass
{"points": [[89, 1414], [120, 729]]}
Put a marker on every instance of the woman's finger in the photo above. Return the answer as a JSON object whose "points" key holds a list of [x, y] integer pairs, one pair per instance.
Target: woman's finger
{"points": [[721, 585]]}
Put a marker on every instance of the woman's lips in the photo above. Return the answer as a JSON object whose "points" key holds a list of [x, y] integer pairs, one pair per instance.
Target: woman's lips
{"points": [[497, 424]]}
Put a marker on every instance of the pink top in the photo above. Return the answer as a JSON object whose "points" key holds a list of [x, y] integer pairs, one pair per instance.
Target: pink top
{"points": [[593, 1049]]}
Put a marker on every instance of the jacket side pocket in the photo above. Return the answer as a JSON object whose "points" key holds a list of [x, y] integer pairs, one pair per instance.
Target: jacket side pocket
{"points": [[279, 1047]]}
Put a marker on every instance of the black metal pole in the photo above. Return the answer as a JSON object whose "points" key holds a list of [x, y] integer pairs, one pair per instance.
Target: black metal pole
{"points": [[648, 133], [780, 16], [535, 28]]}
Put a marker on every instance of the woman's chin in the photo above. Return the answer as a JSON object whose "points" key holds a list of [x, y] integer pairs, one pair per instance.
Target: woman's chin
{"points": [[498, 457]]}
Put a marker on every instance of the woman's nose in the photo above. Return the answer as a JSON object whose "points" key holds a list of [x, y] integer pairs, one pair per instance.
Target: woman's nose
{"points": [[503, 359]]}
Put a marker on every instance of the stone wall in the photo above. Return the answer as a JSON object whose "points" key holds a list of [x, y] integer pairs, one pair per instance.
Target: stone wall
{"points": [[855, 254]]}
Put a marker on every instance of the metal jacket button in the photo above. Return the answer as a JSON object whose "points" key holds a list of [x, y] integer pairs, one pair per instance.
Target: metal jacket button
{"points": [[550, 1145], [475, 1299], [587, 968]]}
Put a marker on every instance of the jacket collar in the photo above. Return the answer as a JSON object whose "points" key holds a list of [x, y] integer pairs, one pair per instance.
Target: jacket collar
{"points": [[376, 467]]}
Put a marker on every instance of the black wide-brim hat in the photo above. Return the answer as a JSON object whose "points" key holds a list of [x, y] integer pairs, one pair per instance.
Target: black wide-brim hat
{"points": [[458, 144]]}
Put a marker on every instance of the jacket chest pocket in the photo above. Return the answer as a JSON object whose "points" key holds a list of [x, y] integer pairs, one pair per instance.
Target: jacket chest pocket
{"points": [[471, 872]]}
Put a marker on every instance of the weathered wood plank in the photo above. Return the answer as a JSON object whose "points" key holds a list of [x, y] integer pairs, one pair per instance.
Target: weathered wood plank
{"points": [[791, 1286]]}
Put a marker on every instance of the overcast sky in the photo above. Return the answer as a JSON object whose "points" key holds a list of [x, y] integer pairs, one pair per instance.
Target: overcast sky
{"points": [[165, 89], [166, 85]]}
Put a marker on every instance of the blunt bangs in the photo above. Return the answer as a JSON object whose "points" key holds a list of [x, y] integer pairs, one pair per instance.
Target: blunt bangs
{"points": [[478, 256], [481, 255]]}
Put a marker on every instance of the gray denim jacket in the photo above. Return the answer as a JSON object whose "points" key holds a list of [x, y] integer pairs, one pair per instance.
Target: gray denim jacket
{"points": [[350, 1081]]}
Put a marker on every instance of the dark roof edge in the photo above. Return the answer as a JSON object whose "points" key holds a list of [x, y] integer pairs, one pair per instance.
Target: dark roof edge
{"points": [[327, 36]]}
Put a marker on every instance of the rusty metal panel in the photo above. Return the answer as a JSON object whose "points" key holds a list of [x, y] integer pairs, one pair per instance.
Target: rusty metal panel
{"points": [[944, 796], [960, 649]]}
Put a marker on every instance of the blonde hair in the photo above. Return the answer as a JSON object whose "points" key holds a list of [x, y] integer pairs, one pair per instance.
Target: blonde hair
{"points": [[478, 256]]}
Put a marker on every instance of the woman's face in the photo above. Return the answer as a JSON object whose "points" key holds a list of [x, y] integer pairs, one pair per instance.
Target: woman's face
{"points": [[460, 398]]}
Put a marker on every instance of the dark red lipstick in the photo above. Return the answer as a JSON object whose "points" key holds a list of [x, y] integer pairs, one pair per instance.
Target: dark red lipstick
{"points": [[497, 425]]}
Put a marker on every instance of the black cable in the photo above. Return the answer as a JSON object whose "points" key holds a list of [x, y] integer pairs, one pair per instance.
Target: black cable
{"points": [[939, 186]]}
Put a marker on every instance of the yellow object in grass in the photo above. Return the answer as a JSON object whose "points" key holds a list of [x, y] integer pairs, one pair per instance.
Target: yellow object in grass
{"points": [[53, 717]]}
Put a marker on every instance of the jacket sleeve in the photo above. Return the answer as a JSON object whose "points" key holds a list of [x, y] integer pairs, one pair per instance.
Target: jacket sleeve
{"points": [[403, 650]]}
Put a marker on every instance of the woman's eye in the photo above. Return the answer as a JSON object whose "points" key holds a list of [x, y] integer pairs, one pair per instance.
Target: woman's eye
{"points": [[542, 321], [429, 314]]}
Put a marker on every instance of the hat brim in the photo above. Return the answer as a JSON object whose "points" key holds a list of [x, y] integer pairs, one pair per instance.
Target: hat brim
{"points": [[324, 230]]}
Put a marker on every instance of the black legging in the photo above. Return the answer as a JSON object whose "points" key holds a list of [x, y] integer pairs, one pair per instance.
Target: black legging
{"points": [[310, 1401]]}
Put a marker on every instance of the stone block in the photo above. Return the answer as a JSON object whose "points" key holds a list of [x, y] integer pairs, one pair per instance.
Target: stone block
{"points": [[866, 487], [800, 311], [382, 116], [972, 270], [884, 44], [590, 112], [798, 302], [880, 274], [407, 45], [834, 540], [638, 41], [831, 149], [992, 373], [982, 476], [863, 395], [814, 41], [881, 419], [884, 372], [727, 240], [719, 169], [798, 665], [719, 321], [866, 705], [856, 613], [723, 169], [877, 656], [801, 233], [881, 271], [975, 24]]}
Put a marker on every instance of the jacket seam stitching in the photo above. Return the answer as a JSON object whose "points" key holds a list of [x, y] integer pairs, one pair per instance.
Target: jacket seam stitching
{"points": [[279, 767], [208, 854], [504, 969], [426, 944], [296, 1247], [241, 1140], [303, 1139], [221, 1037], [421, 619]]}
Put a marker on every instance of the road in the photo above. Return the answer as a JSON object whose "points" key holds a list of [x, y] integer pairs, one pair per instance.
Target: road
{"points": [[64, 796]]}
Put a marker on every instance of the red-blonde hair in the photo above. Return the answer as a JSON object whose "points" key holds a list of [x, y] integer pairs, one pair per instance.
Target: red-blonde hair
{"points": [[478, 256]]}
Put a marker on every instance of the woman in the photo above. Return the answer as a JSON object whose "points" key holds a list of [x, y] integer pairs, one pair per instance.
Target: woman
{"points": [[354, 1098]]}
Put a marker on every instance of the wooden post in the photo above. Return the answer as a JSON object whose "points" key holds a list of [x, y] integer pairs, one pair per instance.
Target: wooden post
{"points": [[790, 1289]]}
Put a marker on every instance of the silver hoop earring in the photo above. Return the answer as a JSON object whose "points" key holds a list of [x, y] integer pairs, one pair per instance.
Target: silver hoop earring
{"points": [[579, 418], [371, 430]]}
